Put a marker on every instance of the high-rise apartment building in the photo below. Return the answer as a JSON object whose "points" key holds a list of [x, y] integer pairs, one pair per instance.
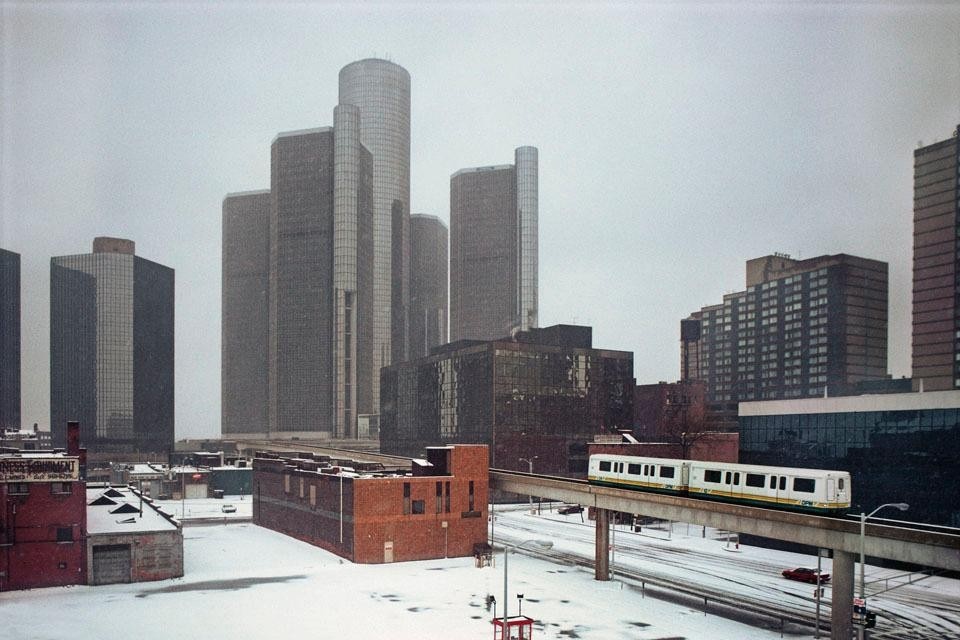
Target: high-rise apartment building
{"points": [[112, 349], [245, 308], [936, 265], [9, 340], [428, 283], [801, 329], [493, 249], [380, 90]]}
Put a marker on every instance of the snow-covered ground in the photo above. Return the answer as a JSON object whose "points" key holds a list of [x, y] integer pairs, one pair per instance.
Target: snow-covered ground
{"points": [[245, 581]]}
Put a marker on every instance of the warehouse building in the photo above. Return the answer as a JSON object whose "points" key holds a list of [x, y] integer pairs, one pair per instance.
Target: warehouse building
{"points": [[373, 515]]}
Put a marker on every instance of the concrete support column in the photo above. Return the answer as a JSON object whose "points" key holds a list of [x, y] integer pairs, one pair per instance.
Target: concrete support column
{"points": [[841, 618], [602, 560]]}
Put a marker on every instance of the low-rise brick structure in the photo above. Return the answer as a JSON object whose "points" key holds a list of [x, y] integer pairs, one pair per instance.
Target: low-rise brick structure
{"points": [[373, 515]]}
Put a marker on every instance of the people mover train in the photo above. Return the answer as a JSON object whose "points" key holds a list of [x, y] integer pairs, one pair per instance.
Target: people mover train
{"points": [[805, 490]]}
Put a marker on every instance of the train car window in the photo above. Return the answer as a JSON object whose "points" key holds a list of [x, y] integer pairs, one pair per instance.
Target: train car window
{"points": [[619, 467], [604, 465], [666, 472], [711, 475], [804, 485], [633, 469], [754, 480], [783, 483], [840, 484], [773, 482], [646, 469], [736, 478], [728, 478]]}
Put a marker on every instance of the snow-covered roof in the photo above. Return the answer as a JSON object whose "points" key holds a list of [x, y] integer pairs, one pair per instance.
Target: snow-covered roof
{"points": [[113, 509]]}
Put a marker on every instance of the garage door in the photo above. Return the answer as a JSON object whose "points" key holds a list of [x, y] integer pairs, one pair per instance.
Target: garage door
{"points": [[196, 491], [111, 564]]}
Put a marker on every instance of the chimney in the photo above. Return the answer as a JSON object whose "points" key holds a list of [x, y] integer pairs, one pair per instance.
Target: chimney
{"points": [[73, 446]]}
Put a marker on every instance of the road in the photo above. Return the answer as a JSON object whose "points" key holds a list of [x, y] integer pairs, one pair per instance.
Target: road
{"points": [[685, 562]]}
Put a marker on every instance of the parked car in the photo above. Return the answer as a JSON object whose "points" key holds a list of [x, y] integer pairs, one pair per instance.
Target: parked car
{"points": [[803, 574], [229, 508], [571, 508]]}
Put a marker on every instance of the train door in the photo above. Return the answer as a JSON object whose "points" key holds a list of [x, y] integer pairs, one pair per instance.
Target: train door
{"points": [[732, 482], [777, 489], [831, 489]]}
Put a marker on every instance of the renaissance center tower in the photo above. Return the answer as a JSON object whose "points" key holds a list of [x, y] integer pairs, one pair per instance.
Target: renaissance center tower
{"points": [[380, 90]]}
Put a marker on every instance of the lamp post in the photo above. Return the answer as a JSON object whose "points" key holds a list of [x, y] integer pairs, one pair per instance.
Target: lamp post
{"points": [[543, 544], [902, 506], [529, 462]]}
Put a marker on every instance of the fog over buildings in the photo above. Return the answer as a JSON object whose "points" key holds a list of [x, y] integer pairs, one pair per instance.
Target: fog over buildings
{"points": [[675, 142]]}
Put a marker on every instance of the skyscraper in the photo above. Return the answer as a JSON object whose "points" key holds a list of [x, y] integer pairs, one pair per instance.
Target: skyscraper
{"points": [[428, 284], [244, 379], [801, 328], [493, 249], [381, 91], [111, 349], [9, 339], [936, 265]]}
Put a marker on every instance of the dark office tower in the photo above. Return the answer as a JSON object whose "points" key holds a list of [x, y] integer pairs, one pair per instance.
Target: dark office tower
{"points": [[802, 328], [9, 340], [493, 249], [245, 291], [381, 91], [428, 284], [111, 349], [936, 265], [321, 272]]}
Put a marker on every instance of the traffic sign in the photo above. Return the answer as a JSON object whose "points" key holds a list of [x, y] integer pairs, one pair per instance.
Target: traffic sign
{"points": [[859, 602]]}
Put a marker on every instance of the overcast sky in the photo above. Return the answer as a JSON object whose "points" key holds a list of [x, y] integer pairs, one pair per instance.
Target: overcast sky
{"points": [[676, 142]]}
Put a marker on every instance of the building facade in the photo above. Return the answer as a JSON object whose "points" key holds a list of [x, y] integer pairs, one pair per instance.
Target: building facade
{"points": [[320, 329], [542, 394], [898, 447], [494, 248], [9, 340], [936, 265], [428, 284], [801, 329], [43, 518], [380, 90], [112, 349], [245, 309], [375, 516], [669, 412]]}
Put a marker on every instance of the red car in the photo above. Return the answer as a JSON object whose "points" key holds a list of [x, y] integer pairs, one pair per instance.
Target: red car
{"points": [[806, 575]]}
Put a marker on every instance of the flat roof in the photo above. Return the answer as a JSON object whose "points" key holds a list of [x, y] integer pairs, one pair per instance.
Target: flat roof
{"points": [[854, 404], [112, 509]]}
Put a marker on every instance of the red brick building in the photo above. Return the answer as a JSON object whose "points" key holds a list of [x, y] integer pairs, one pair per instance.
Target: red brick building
{"points": [[43, 518], [711, 446], [438, 509]]}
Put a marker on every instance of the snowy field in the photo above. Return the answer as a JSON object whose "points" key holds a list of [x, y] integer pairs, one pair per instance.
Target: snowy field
{"points": [[243, 581]]}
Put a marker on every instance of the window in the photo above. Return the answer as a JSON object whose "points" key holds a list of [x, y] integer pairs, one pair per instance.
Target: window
{"points": [[313, 495], [840, 484], [470, 503], [666, 472], [604, 465], [728, 478], [418, 507], [286, 483], [736, 478], [646, 469], [446, 497], [64, 534], [18, 488], [61, 487], [406, 498], [301, 487], [804, 485], [634, 469], [783, 483], [756, 480], [711, 475], [439, 497]]}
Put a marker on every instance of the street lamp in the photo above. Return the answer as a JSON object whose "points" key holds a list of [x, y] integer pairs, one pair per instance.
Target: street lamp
{"points": [[543, 544], [529, 462], [902, 506]]}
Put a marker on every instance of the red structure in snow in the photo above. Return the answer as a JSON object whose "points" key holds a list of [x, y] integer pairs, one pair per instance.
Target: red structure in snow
{"points": [[518, 628], [43, 517]]}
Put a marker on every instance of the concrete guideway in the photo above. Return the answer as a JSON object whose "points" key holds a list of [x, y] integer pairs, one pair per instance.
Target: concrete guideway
{"points": [[923, 548]]}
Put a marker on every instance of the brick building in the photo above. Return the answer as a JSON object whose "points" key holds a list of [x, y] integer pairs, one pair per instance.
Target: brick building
{"points": [[129, 539], [438, 509], [43, 518]]}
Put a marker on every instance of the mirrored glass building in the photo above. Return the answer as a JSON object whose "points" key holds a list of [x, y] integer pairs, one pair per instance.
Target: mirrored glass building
{"points": [[9, 340], [428, 283], [112, 349], [494, 249]]}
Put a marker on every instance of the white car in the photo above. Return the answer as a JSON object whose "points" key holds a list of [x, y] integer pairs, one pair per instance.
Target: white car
{"points": [[228, 508]]}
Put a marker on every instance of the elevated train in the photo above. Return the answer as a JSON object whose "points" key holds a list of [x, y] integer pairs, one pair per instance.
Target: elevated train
{"points": [[816, 491]]}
